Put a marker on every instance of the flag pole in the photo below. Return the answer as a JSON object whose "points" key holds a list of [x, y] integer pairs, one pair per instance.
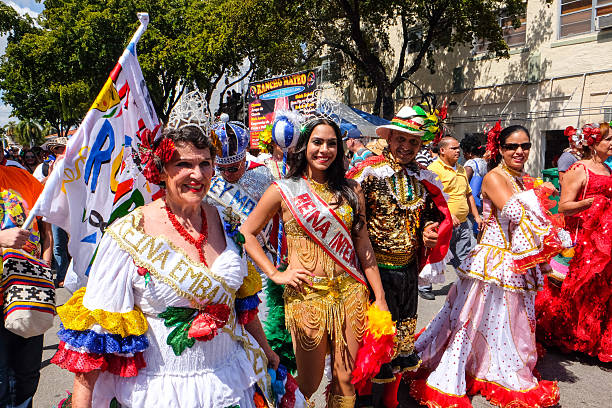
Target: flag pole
{"points": [[144, 22]]}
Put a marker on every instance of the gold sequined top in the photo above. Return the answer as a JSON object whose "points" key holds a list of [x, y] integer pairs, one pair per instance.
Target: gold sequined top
{"points": [[309, 253], [397, 208]]}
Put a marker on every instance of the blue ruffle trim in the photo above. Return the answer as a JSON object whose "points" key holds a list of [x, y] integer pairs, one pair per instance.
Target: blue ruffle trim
{"points": [[248, 303], [103, 343]]}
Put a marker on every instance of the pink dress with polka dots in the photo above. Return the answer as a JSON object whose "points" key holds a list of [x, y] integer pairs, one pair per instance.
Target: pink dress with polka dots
{"points": [[483, 338]]}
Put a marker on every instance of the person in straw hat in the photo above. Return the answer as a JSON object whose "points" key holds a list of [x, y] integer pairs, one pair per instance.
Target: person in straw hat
{"points": [[61, 258], [56, 148], [409, 225]]}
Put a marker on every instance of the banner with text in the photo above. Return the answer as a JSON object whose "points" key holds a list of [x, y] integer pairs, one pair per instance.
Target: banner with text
{"points": [[294, 91]]}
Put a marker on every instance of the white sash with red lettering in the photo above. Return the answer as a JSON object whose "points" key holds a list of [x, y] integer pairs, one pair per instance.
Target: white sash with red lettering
{"points": [[321, 223]]}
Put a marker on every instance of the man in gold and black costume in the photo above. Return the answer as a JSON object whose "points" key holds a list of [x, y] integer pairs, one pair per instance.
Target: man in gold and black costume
{"points": [[409, 227]]}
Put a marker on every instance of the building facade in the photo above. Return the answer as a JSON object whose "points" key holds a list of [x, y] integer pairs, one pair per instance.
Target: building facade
{"points": [[559, 74]]}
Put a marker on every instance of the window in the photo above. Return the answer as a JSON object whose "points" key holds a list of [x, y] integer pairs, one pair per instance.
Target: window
{"points": [[514, 37], [578, 16], [415, 41]]}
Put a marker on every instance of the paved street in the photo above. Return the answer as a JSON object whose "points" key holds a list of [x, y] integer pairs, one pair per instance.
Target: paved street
{"points": [[582, 383]]}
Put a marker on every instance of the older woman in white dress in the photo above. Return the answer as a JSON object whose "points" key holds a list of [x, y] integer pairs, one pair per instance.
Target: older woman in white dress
{"points": [[168, 318]]}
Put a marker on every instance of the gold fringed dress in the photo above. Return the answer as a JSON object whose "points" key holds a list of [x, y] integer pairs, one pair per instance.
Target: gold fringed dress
{"points": [[334, 301]]}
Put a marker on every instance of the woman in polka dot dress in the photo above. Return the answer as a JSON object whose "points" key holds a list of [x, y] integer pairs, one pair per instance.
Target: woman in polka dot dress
{"points": [[578, 316], [483, 338]]}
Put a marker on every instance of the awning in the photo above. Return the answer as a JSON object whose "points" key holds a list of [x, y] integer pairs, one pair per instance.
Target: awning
{"points": [[352, 117]]}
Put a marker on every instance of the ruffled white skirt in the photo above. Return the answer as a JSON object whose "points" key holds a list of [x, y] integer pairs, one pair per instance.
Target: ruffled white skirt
{"points": [[215, 373]]}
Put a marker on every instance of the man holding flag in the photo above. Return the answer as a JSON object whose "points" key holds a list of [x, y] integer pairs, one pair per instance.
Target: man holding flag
{"points": [[22, 356]]}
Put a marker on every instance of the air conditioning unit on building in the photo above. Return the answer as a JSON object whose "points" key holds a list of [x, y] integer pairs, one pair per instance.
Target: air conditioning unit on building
{"points": [[604, 22], [607, 114]]}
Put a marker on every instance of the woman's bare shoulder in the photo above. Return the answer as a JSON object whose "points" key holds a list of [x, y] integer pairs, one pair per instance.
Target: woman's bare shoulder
{"points": [[494, 177]]}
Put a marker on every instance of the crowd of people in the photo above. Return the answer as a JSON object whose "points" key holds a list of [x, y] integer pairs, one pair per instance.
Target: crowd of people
{"points": [[182, 299]]}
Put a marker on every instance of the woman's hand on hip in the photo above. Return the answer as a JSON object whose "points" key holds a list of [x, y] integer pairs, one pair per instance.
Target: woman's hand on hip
{"points": [[294, 277]]}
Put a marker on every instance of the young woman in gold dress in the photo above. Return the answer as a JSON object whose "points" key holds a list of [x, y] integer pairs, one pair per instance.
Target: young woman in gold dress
{"points": [[326, 294]]}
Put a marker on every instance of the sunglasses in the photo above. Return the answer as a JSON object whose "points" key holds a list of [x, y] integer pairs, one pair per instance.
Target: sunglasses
{"points": [[515, 146], [30, 157], [232, 169]]}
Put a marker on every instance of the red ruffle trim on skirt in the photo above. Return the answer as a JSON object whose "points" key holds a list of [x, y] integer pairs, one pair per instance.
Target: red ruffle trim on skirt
{"points": [[433, 398], [85, 362], [545, 394]]}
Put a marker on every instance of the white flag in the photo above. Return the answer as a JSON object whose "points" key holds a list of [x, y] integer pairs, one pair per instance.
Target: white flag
{"points": [[100, 179]]}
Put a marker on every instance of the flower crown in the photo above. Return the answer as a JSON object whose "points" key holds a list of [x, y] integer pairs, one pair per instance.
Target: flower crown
{"points": [[587, 136]]}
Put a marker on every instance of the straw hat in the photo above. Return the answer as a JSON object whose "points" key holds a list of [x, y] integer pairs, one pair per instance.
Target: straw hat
{"points": [[55, 142], [407, 120]]}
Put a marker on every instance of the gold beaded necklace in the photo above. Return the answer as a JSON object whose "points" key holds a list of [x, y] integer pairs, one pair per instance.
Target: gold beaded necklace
{"points": [[322, 189], [516, 177]]}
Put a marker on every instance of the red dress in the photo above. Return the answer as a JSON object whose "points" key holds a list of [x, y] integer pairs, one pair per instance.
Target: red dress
{"points": [[578, 316]]}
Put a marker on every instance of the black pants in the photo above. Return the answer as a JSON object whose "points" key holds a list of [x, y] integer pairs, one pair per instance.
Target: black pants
{"points": [[401, 290], [401, 293], [21, 357]]}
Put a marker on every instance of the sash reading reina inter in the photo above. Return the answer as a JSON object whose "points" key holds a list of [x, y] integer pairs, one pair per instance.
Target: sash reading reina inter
{"points": [[321, 223]]}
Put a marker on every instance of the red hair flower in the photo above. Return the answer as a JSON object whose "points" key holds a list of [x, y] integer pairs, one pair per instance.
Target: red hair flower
{"points": [[592, 134], [493, 139], [164, 152]]}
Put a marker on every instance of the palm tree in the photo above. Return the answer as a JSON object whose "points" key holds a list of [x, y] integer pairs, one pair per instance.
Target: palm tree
{"points": [[48, 129], [9, 133], [10, 129], [29, 133]]}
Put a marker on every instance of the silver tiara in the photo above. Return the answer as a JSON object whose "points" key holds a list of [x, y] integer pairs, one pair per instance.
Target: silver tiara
{"points": [[191, 110], [328, 109]]}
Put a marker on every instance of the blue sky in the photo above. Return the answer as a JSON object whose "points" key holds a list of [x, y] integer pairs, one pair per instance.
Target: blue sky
{"points": [[22, 6]]}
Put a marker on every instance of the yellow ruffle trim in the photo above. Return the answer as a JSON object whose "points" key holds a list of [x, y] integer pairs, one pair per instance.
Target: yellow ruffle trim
{"points": [[379, 322], [75, 316], [251, 284]]}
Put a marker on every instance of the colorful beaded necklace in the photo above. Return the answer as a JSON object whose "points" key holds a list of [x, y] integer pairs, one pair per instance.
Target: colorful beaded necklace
{"points": [[402, 187], [202, 238]]}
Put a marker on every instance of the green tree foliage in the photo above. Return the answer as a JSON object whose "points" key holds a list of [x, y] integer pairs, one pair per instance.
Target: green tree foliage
{"points": [[356, 34], [13, 24], [53, 70], [28, 133]]}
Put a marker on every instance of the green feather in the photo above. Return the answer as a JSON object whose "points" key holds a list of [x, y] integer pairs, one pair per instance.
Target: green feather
{"points": [[277, 334]]}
